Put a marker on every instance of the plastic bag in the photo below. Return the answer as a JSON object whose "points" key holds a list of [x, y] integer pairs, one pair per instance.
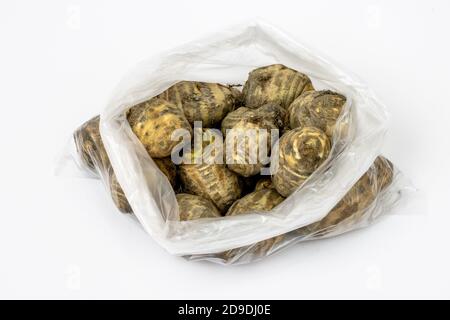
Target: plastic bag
{"points": [[353, 181]]}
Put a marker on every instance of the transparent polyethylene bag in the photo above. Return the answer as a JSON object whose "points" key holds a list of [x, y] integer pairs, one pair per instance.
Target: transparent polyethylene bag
{"points": [[348, 191]]}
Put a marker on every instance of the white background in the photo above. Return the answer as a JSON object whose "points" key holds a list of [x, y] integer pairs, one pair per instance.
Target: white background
{"points": [[61, 237]]}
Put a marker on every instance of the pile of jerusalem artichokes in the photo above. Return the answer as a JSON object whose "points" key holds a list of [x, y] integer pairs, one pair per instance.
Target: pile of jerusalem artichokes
{"points": [[274, 97]]}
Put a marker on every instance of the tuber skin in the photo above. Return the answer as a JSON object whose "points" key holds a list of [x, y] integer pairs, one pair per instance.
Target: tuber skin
{"points": [[352, 206], [261, 200], [243, 120], [214, 182], [90, 145], [118, 196], [239, 158], [274, 84], [203, 101], [193, 207], [169, 169], [275, 113], [153, 122], [93, 154], [269, 112], [234, 117], [320, 109], [264, 183], [301, 151], [257, 201]]}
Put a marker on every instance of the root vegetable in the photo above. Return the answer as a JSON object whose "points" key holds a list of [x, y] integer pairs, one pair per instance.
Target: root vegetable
{"points": [[301, 151], [153, 122], [261, 200], [211, 181], [193, 207], [234, 117], [319, 109], [90, 145], [118, 196], [274, 113], [248, 145], [93, 154], [355, 202], [257, 201], [169, 169], [275, 84], [270, 112], [202, 101]]}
